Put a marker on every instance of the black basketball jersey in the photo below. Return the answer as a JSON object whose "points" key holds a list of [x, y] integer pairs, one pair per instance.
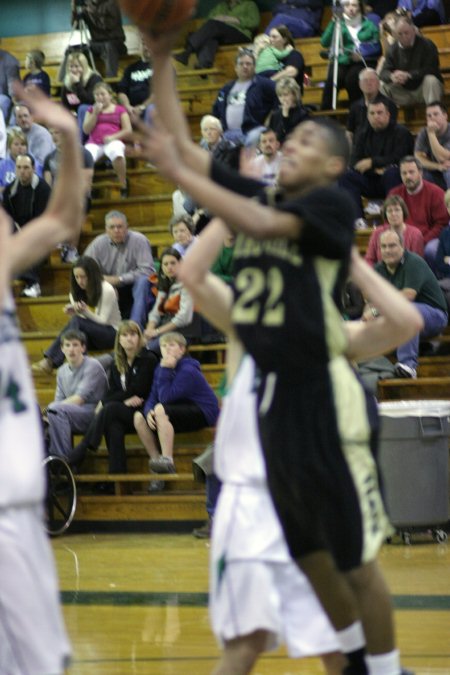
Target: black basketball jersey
{"points": [[287, 292]]}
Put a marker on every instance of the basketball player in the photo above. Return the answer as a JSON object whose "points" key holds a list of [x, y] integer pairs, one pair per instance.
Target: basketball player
{"points": [[317, 430], [257, 594], [33, 640]]}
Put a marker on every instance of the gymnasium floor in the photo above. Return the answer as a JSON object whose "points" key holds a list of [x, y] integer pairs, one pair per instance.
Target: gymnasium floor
{"points": [[137, 603]]}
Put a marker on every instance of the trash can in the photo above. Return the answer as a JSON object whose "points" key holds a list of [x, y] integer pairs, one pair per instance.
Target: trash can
{"points": [[413, 459]]}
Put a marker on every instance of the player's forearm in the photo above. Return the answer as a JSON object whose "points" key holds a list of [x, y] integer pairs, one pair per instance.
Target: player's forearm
{"points": [[240, 213]]}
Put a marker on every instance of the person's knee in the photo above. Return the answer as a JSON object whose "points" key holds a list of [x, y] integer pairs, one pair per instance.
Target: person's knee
{"points": [[139, 421], [160, 414], [241, 654]]}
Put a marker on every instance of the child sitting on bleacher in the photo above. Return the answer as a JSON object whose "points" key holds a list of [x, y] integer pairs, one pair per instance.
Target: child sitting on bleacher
{"points": [[180, 400], [107, 123], [268, 58], [36, 76]]}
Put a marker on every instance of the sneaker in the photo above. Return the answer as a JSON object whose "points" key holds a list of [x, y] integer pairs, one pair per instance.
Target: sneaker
{"points": [[31, 291], [42, 367], [125, 190], [203, 532], [69, 254], [373, 208], [402, 370], [182, 57], [360, 224], [155, 486], [162, 465]]}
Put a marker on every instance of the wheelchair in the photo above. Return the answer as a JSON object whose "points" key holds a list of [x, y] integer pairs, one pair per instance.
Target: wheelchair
{"points": [[61, 495]]}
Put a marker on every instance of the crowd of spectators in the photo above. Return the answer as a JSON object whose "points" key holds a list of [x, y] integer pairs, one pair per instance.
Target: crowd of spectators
{"points": [[120, 299]]}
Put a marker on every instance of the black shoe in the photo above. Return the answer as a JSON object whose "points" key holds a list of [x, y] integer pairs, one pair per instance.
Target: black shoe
{"points": [[182, 57], [203, 532], [124, 191]]}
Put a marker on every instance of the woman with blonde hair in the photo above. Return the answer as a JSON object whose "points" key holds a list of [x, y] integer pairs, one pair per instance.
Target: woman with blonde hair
{"points": [[78, 86], [130, 382]]}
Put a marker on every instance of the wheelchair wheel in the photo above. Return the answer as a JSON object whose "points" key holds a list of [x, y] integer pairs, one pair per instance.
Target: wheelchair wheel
{"points": [[61, 501]]}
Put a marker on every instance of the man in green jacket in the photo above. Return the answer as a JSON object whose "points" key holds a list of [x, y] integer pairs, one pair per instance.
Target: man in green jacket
{"points": [[230, 22]]}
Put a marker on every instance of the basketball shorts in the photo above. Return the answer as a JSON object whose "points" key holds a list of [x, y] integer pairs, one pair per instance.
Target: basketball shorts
{"points": [[33, 640], [317, 436]]}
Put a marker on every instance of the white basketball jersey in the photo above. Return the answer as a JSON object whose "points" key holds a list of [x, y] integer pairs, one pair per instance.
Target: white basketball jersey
{"points": [[237, 452], [21, 448]]}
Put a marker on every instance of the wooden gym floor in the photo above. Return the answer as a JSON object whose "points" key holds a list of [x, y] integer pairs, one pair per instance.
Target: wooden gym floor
{"points": [[137, 603]]}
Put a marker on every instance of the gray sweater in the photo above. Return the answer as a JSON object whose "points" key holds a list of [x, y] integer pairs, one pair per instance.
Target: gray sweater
{"points": [[88, 381], [129, 260]]}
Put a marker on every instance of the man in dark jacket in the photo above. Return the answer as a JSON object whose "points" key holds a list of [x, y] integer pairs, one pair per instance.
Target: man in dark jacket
{"points": [[244, 103], [24, 199], [104, 21], [411, 70], [377, 150]]}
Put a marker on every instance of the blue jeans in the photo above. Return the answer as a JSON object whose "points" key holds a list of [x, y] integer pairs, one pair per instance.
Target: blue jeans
{"points": [[435, 320], [143, 300]]}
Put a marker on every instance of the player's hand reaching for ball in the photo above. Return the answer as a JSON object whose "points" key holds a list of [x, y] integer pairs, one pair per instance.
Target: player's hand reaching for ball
{"points": [[5, 234]]}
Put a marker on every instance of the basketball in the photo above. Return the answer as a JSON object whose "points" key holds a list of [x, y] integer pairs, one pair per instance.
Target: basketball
{"points": [[159, 15]]}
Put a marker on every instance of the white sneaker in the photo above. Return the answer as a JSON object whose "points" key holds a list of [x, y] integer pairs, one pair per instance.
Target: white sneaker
{"points": [[360, 224], [373, 208], [33, 291], [69, 254], [402, 370]]}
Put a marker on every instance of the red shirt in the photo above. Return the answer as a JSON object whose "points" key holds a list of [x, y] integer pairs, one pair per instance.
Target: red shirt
{"points": [[427, 209]]}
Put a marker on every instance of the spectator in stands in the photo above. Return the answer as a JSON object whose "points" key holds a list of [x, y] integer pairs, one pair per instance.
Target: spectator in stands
{"points": [[39, 140], [265, 165], [228, 23], [361, 47], [17, 145], [442, 263], [424, 12], [104, 21], [243, 104], [302, 17], [180, 400], [377, 150], [24, 199], [369, 83], [223, 264], [106, 124], [135, 87], [36, 76], [290, 111], [81, 382], [69, 252], [78, 86], [432, 147], [267, 57], [130, 382], [183, 232], [410, 274], [9, 73], [410, 72], [395, 213], [293, 63], [425, 203], [125, 259], [88, 289], [173, 308]]}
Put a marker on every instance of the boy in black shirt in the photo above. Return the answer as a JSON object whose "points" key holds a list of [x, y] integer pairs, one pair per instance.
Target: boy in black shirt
{"points": [[291, 259]]}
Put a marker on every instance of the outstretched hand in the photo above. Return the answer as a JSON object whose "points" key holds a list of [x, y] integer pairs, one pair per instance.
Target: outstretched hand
{"points": [[154, 144], [44, 109]]}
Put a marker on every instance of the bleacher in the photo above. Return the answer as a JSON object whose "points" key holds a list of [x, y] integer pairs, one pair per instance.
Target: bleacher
{"points": [[148, 209]]}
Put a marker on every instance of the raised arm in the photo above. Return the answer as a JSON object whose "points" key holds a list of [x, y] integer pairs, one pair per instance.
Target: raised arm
{"points": [[210, 294], [63, 217], [5, 237], [168, 105], [398, 322]]}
